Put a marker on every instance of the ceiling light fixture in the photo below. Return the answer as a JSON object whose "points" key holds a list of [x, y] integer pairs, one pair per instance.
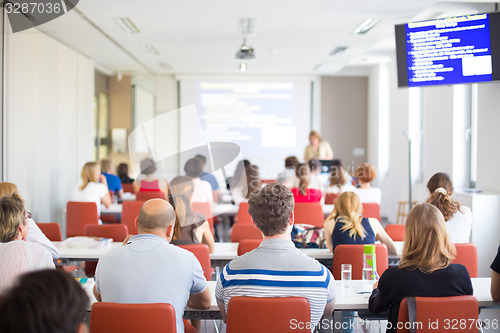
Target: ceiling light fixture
{"points": [[243, 67], [365, 26], [245, 52], [151, 49], [319, 67], [127, 25], [166, 65], [338, 51], [248, 26]]}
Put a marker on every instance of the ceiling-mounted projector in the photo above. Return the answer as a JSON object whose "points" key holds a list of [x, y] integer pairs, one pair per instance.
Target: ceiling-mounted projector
{"points": [[245, 52]]}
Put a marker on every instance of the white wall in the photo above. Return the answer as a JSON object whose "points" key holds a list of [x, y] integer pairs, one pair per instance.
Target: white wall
{"points": [[49, 120]]}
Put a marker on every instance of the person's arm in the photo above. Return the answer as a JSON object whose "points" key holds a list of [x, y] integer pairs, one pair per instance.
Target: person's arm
{"points": [[37, 236], [222, 309], [200, 301], [208, 238], [328, 229], [106, 198], [382, 236], [330, 294], [328, 151], [97, 294], [329, 307], [495, 286]]}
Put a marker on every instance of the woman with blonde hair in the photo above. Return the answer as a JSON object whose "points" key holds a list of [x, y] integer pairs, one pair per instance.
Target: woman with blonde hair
{"points": [[346, 225], [304, 193], [458, 218], [425, 268], [93, 187], [318, 148], [190, 227]]}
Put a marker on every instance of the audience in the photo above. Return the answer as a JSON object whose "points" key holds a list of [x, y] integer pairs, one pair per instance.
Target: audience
{"points": [[238, 182], [276, 268], [202, 191], [253, 183], [150, 270], [346, 225], [317, 148], [365, 174], [148, 181], [495, 278], [209, 178], [16, 255], [458, 218], [123, 174], [339, 180], [114, 183], [93, 187], [304, 193], [190, 228], [425, 268], [34, 233], [288, 177], [42, 302]]}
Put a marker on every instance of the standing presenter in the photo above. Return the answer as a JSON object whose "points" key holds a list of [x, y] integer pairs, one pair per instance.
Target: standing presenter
{"points": [[317, 148]]}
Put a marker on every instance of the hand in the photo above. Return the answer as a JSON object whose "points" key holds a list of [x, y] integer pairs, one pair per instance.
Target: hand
{"points": [[375, 285]]}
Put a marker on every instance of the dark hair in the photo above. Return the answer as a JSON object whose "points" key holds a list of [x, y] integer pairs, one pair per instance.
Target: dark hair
{"points": [[314, 164], [302, 172], [366, 172], [253, 179], [202, 158], [11, 216], [193, 168], [441, 187], [148, 166], [271, 208], [47, 301], [291, 162], [122, 170]]}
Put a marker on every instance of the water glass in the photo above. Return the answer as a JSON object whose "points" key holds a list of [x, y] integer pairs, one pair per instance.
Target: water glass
{"points": [[346, 272]]}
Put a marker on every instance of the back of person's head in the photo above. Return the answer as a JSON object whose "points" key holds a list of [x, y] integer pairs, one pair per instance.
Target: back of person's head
{"points": [[271, 208], [12, 216], [148, 166], [314, 165], [122, 170], [337, 175], [253, 179], [201, 158], [366, 173], [441, 188], [106, 164], [156, 214], [302, 172], [291, 162], [181, 188], [348, 210], [7, 188], [47, 301], [193, 168], [426, 243], [90, 174], [314, 134]]}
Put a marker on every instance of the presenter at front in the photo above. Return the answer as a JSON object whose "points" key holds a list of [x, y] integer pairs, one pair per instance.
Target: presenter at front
{"points": [[317, 149]]}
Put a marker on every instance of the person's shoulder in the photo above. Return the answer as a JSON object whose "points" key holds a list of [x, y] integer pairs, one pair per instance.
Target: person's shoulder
{"points": [[457, 269]]}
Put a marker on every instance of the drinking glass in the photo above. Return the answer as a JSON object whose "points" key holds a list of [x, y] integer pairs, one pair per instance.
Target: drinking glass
{"points": [[346, 272]]}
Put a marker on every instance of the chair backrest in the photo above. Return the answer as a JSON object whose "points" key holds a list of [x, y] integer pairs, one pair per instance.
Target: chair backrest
{"points": [[130, 210], [146, 195], [247, 245], [51, 230], [243, 216], [267, 315], [128, 188], [330, 198], [267, 181], [353, 254], [396, 232], [467, 256], [442, 312], [245, 231], [309, 213], [116, 231], [371, 210], [108, 317], [206, 209], [79, 214], [202, 253]]}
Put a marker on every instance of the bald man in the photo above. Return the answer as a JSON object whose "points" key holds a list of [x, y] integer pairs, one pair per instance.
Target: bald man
{"points": [[148, 269]]}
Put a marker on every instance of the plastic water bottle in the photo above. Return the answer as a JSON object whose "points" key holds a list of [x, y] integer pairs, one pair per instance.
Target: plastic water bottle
{"points": [[369, 264]]}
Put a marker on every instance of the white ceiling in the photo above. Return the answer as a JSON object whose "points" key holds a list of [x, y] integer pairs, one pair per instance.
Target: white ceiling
{"points": [[202, 36]]}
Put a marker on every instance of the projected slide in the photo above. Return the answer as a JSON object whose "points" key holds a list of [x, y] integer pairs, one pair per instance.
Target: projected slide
{"points": [[448, 51]]}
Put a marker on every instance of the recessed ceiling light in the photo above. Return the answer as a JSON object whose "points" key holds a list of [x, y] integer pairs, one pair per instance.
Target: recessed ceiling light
{"points": [[151, 49], [166, 65], [338, 50], [127, 25], [365, 26]]}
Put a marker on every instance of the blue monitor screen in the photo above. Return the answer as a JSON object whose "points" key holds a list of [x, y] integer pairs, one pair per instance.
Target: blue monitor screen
{"points": [[448, 51]]}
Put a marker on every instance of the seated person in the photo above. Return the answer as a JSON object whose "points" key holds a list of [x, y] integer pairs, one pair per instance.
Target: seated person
{"points": [[253, 183], [288, 177], [93, 187], [16, 255], [209, 178], [458, 217], [272, 212], [346, 225], [190, 228], [365, 174], [202, 191], [148, 181], [314, 180], [123, 174], [425, 268], [304, 193], [34, 233], [495, 278], [47, 301], [114, 183], [158, 271], [339, 180]]}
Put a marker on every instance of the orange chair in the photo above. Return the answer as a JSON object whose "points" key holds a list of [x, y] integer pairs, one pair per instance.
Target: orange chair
{"points": [[79, 214], [245, 231], [243, 216], [396, 232], [267, 314], [467, 256], [51, 230], [441, 310], [330, 198], [353, 254], [206, 209], [108, 317], [128, 188], [116, 231], [267, 181], [309, 213], [130, 210], [146, 195], [247, 245], [371, 210], [202, 253]]}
